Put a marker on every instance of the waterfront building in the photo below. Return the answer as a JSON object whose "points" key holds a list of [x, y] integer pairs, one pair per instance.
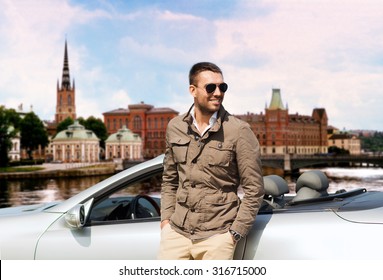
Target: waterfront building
{"points": [[148, 122], [15, 152], [279, 132], [76, 144], [124, 144], [346, 141]]}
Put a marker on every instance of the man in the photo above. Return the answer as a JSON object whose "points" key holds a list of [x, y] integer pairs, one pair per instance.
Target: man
{"points": [[209, 154]]}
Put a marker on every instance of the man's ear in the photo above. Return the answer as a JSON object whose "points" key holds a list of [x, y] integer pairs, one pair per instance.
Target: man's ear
{"points": [[193, 91]]}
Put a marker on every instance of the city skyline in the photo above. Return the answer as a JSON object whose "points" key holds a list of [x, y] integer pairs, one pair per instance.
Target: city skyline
{"points": [[321, 54]]}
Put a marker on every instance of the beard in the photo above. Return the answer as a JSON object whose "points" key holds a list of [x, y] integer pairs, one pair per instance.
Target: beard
{"points": [[207, 109]]}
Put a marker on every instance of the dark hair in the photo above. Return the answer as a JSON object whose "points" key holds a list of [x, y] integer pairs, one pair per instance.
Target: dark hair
{"points": [[200, 67]]}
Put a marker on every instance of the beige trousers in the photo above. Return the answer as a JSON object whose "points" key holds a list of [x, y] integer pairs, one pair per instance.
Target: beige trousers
{"points": [[175, 246]]}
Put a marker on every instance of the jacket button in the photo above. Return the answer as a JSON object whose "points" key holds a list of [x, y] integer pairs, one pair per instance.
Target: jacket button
{"points": [[196, 138], [192, 231], [192, 210], [194, 160]]}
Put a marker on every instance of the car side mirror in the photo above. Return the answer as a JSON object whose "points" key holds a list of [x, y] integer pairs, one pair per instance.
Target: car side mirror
{"points": [[75, 217]]}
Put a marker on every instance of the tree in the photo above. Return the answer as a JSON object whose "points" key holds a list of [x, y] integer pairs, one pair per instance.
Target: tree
{"points": [[6, 135], [98, 127], [33, 133], [372, 143], [64, 124], [14, 118]]}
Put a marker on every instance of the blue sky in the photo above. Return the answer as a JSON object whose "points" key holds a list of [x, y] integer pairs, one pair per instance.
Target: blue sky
{"points": [[319, 53]]}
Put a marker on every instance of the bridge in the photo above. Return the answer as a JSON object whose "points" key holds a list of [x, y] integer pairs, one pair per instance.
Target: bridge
{"points": [[290, 162]]}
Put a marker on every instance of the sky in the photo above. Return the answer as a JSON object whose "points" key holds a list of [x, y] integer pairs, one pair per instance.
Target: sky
{"points": [[320, 54]]}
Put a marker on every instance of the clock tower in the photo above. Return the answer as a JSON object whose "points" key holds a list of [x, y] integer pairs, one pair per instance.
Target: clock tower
{"points": [[66, 94]]}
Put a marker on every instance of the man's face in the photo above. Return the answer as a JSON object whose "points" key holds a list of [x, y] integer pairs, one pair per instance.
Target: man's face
{"points": [[207, 103]]}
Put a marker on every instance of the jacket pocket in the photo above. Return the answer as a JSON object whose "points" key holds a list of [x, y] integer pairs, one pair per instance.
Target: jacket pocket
{"points": [[180, 149], [220, 211], [179, 215], [221, 154]]}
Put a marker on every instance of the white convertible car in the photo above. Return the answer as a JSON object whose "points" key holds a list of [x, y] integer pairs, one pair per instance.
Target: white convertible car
{"points": [[118, 218]]}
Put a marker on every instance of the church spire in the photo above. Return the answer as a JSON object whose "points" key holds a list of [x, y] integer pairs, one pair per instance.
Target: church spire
{"points": [[66, 94], [65, 82]]}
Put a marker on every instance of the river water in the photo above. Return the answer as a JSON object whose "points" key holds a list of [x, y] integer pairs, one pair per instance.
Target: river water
{"points": [[32, 191]]}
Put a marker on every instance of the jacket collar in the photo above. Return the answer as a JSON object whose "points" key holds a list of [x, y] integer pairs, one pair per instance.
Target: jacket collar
{"points": [[222, 113]]}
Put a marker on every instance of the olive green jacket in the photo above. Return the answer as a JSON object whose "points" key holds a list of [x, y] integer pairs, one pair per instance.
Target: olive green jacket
{"points": [[202, 175]]}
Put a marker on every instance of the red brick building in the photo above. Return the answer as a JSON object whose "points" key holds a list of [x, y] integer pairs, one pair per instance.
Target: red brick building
{"points": [[66, 94], [279, 132], [148, 122]]}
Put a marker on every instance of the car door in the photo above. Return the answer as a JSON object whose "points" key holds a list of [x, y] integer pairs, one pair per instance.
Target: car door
{"points": [[122, 240], [122, 223]]}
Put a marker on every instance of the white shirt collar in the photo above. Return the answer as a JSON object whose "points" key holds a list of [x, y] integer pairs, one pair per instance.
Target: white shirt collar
{"points": [[212, 121]]}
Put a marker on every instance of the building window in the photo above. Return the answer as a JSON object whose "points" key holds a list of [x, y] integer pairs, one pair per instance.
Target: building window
{"points": [[137, 122]]}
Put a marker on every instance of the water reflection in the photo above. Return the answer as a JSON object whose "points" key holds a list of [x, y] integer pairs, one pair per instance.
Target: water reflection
{"points": [[32, 191], [353, 178]]}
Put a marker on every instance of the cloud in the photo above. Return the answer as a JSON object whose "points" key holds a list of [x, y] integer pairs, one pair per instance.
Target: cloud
{"points": [[319, 53], [96, 106], [32, 41]]}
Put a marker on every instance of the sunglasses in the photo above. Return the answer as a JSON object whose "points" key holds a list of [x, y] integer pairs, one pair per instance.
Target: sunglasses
{"points": [[210, 88]]}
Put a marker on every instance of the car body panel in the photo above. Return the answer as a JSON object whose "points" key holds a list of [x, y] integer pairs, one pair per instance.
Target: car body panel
{"points": [[19, 234], [366, 208], [314, 235], [17, 210], [113, 241]]}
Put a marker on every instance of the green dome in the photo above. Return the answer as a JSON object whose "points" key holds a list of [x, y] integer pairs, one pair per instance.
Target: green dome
{"points": [[75, 131], [123, 135]]}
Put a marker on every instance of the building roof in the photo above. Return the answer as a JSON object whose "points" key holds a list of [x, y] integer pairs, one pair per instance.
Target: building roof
{"points": [[251, 117], [295, 118], [142, 106], [342, 136], [276, 100], [123, 135], [118, 111], [162, 110], [75, 131]]}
